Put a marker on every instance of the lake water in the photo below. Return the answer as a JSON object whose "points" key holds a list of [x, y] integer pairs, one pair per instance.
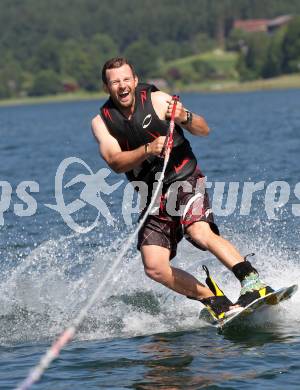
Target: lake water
{"points": [[139, 335]]}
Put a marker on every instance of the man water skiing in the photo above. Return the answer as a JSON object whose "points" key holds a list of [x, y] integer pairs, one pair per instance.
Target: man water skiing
{"points": [[131, 131]]}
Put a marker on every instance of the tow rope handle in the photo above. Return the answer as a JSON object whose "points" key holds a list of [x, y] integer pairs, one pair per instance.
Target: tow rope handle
{"points": [[169, 138]]}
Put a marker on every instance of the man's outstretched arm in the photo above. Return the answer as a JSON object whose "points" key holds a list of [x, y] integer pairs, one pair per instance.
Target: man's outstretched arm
{"points": [[118, 160]]}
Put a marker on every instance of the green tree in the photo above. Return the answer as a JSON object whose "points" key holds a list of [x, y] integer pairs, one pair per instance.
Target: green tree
{"points": [[253, 56], [83, 62], [87, 72], [48, 56], [11, 76], [168, 50], [46, 82], [273, 65], [143, 56], [71, 52], [291, 47], [237, 40], [201, 43], [102, 47]]}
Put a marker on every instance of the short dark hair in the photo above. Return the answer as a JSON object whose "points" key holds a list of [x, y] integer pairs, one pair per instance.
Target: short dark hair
{"points": [[113, 63]]}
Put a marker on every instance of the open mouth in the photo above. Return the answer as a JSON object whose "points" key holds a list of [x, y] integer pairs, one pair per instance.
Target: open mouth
{"points": [[123, 95]]}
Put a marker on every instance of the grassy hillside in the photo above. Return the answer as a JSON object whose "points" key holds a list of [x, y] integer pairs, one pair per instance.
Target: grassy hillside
{"points": [[214, 65], [217, 58]]}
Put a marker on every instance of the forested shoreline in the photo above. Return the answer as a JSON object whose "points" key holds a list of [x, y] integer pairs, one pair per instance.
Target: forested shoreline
{"points": [[51, 47]]}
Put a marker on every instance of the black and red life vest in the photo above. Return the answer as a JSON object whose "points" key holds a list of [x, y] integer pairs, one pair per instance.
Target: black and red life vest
{"points": [[143, 127]]}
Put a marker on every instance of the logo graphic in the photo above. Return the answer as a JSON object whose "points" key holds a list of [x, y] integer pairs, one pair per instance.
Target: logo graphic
{"points": [[180, 166], [107, 114], [224, 198], [143, 96], [95, 185], [147, 120]]}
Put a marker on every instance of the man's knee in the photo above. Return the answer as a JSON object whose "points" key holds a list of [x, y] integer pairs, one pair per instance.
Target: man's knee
{"points": [[201, 233], [156, 262], [155, 272]]}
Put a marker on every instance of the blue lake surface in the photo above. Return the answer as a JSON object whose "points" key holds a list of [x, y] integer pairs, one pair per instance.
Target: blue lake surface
{"points": [[139, 335]]}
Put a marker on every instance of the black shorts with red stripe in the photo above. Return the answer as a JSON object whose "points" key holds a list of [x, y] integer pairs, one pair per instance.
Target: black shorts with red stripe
{"points": [[184, 203]]}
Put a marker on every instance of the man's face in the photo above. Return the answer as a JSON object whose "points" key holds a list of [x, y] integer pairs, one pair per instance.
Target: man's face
{"points": [[121, 84]]}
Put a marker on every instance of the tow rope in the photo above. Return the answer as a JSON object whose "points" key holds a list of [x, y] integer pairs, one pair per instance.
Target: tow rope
{"points": [[53, 352]]}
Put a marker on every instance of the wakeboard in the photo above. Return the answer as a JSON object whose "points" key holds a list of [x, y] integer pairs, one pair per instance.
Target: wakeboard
{"points": [[238, 316]]}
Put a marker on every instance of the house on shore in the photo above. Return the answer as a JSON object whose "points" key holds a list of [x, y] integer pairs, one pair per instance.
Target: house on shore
{"points": [[262, 25]]}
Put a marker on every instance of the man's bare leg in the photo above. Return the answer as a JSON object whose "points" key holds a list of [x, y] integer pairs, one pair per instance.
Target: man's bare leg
{"points": [[157, 266], [201, 233], [251, 285]]}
